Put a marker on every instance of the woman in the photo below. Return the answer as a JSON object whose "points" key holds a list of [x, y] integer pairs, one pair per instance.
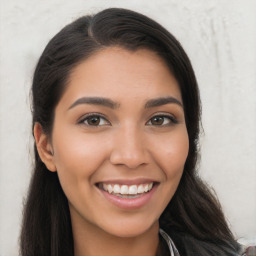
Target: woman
{"points": [[116, 118]]}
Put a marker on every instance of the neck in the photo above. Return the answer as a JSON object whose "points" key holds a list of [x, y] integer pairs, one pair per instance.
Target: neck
{"points": [[90, 240]]}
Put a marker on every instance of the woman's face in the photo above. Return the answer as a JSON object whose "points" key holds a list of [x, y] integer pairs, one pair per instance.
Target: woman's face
{"points": [[120, 141]]}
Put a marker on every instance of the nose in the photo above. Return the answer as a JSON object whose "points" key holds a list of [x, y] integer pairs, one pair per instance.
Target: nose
{"points": [[129, 149]]}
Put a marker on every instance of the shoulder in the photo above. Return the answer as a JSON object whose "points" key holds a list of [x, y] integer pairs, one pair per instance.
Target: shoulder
{"points": [[187, 245]]}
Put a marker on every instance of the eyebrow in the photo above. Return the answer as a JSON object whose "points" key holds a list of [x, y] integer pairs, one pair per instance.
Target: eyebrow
{"points": [[162, 101], [113, 105], [95, 101]]}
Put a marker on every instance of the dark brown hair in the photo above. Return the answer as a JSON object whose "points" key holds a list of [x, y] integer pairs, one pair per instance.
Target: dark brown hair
{"points": [[194, 213]]}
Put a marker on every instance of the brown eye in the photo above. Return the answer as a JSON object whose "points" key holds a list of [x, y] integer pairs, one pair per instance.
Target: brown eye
{"points": [[157, 120], [94, 120], [162, 120]]}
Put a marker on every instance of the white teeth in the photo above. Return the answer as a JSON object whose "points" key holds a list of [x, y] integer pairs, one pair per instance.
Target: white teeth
{"points": [[140, 189], [133, 190], [116, 189], [105, 186], [110, 188], [124, 189], [127, 190]]}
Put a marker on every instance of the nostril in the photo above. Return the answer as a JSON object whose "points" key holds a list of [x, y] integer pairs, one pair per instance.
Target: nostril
{"points": [[120, 157]]}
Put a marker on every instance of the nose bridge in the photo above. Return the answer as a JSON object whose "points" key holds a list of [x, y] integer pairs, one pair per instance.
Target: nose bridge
{"points": [[129, 147]]}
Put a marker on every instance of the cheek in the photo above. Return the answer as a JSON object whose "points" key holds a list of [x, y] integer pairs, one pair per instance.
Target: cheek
{"points": [[173, 153], [171, 157], [77, 156]]}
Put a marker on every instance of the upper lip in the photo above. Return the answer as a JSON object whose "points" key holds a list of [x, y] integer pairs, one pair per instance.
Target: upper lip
{"points": [[128, 181]]}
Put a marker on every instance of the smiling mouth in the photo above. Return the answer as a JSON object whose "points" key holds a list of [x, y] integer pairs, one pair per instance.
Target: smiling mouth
{"points": [[126, 191]]}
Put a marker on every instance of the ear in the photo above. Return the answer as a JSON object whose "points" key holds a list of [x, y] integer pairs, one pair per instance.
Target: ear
{"points": [[44, 147]]}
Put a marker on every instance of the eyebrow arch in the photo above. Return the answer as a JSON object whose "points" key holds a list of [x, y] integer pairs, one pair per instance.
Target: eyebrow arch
{"points": [[162, 101], [95, 101]]}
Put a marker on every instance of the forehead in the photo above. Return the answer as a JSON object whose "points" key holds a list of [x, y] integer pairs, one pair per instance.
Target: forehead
{"points": [[114, 72]]}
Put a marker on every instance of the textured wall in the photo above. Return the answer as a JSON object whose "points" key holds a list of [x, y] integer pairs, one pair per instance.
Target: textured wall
{"points": [[220, 38]]}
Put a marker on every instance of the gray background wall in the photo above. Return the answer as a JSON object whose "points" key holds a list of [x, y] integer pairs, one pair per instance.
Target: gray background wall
{"points": [[219, 37]]}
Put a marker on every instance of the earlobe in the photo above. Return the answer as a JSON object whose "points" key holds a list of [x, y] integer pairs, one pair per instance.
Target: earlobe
{"points": [[44, 147]]}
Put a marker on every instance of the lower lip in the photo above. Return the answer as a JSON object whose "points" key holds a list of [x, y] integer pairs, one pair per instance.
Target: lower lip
{"points": [[130, 203]]}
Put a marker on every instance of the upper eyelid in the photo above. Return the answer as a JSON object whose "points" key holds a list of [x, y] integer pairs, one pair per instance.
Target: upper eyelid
{"points": [[82, 118], [164, 114]]}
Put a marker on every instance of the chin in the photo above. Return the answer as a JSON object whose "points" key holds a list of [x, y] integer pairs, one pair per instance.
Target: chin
{"points": [[129, 229]]}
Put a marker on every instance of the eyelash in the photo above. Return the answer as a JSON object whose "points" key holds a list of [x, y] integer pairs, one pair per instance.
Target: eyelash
{"points": [[93, 115], [171, 120]]}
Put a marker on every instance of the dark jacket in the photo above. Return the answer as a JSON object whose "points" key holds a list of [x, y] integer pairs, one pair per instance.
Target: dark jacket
{"points": [[190, 246]]}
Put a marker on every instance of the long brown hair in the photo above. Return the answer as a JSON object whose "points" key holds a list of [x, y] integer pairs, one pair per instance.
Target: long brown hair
{"points": [[193, 213]]}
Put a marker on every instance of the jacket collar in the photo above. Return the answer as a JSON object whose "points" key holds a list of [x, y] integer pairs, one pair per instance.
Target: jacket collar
{"points": [[170, 243]]}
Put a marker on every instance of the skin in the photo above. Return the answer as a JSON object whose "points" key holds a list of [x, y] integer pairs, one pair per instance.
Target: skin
{"points": [[126, 143]]}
